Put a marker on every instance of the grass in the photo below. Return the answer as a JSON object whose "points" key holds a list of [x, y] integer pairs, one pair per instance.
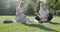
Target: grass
{"points": [[54, 26]]}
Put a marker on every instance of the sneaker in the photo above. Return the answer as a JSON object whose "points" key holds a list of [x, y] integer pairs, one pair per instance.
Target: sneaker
{"points": [[13, 20], [35, 21], [28, 21]]}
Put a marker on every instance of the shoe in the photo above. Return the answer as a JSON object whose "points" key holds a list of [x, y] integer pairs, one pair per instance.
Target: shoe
{"points": [[13, 20], [35, 21], [28, 22]]}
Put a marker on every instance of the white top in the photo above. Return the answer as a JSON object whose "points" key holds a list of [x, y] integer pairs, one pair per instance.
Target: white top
{"points": [[44, 13]]}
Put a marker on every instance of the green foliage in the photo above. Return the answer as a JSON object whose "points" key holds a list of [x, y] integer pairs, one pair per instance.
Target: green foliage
{"points": [[54, 6], [57, 6], [32, 6], [29, 9], [37, 6], [51, 3]]}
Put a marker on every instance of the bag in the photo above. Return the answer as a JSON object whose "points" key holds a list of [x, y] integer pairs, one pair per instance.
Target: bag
{"points": [[7, 21]]}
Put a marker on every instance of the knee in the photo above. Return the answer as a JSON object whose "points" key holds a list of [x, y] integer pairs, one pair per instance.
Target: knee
{"points": [[50, 16], [37, 18]]}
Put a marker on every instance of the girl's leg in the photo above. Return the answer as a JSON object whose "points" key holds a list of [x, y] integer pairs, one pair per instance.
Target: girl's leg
{"points": [[50, 17], [37, 18]]}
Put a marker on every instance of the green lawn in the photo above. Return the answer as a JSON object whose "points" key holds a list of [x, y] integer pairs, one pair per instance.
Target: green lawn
{"points": [[35, 27]]}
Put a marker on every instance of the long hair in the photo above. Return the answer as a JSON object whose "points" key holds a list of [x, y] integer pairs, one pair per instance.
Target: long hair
{"points": [[20, 7]]}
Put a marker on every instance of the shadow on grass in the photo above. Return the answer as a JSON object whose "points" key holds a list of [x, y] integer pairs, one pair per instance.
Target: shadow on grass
{"points": [[54, 23], [42, 27]]}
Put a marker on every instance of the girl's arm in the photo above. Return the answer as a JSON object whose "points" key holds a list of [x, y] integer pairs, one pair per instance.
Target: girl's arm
{"points": [[37, 14], [17, 11]]}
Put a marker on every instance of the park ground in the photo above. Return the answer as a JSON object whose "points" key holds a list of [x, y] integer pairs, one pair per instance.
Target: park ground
{"points": [[54, 26]]}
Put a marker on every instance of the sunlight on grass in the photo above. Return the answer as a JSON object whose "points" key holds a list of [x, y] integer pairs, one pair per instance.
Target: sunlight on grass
{"points": [[35, 27]]}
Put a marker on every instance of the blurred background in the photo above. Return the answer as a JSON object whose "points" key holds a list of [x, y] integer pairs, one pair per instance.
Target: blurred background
{"points": [[8, 7]]}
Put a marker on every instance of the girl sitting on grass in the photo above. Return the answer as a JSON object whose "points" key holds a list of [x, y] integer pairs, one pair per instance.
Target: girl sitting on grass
{"points": [[43, 14], [20, 14]]}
